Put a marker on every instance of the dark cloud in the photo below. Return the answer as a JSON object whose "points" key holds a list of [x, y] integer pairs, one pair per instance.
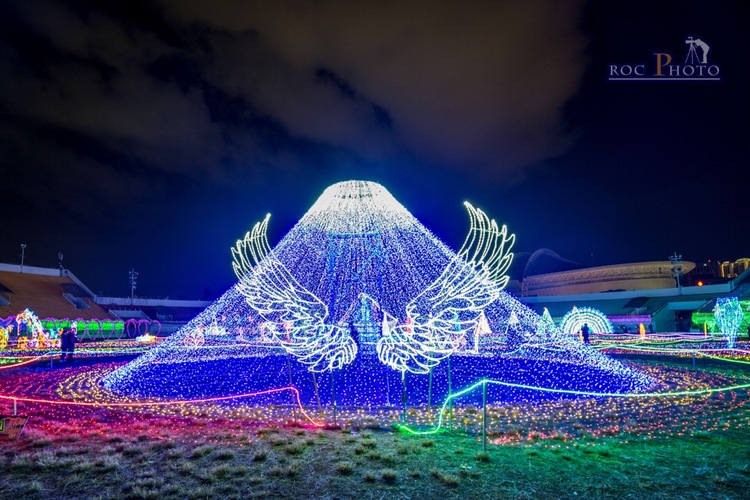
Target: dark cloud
{"points": [[449, 83], [128, 118], [117, 112], [481, 85]]}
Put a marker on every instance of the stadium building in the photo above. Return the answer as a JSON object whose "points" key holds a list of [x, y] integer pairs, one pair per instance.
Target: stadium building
{"points": [[647, 293], [58, 294]]}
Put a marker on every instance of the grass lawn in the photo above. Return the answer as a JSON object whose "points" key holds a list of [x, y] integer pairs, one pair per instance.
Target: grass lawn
{"points": [[297, 463]]}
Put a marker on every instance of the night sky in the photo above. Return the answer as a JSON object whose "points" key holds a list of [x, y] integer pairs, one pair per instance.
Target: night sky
{"points": [[153, 134]]}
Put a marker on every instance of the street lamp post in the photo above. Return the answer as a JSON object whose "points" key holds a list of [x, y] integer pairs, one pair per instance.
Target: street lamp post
{"points": [[23, 254], [676, 261], [133, 277]]}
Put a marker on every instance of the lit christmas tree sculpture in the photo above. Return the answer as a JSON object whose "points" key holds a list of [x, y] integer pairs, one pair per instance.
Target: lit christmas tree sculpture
{"points": [[728, 313], [360, 293]]}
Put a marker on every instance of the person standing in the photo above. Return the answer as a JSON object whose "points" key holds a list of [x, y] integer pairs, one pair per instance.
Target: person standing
{"points": [[72, 339], [585, 333], [64, 343]]}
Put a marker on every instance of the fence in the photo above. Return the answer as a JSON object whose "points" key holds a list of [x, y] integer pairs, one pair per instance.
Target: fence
{"points": [[87, 330]]}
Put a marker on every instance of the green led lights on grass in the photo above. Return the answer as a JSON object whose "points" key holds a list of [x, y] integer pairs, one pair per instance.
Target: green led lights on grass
{"points": [[476, 385]]}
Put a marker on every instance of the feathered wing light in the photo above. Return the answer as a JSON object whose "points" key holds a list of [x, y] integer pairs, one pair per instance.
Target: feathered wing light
{"points": [[297, 315], [413, 348], [441, 315]]}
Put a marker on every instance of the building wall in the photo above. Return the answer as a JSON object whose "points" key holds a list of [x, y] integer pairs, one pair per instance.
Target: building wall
{"points": [[731, 269], [618, 277], [601, 286]]}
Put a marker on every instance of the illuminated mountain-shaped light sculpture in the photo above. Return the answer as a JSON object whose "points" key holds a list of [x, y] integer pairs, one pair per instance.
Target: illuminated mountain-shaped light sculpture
{"points": [[437, 319], [360, 299]]}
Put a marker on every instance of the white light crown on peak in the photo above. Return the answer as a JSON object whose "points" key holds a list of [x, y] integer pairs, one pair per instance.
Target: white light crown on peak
{"points": [[297, 317], [356, 207], [439, 318]]}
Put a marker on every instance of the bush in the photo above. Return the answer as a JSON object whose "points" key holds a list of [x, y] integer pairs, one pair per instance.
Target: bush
{"points": [[389, 475], [344, 468]]}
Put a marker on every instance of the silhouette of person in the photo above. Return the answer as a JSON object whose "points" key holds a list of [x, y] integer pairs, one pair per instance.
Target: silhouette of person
{"points": [[698, 43], [72, 342], [354, 331], [68, 344], [704, 48], [64, 343], [585, 333]]}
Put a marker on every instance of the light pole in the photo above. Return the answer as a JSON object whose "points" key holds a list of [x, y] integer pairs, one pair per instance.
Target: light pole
{"points": [[133, 277], [23, 253], [676, 261]]}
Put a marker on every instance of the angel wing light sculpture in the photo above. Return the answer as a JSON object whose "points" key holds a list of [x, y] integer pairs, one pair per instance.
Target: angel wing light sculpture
{"points": [[441, 315], [437, 319], [297, 317]]}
